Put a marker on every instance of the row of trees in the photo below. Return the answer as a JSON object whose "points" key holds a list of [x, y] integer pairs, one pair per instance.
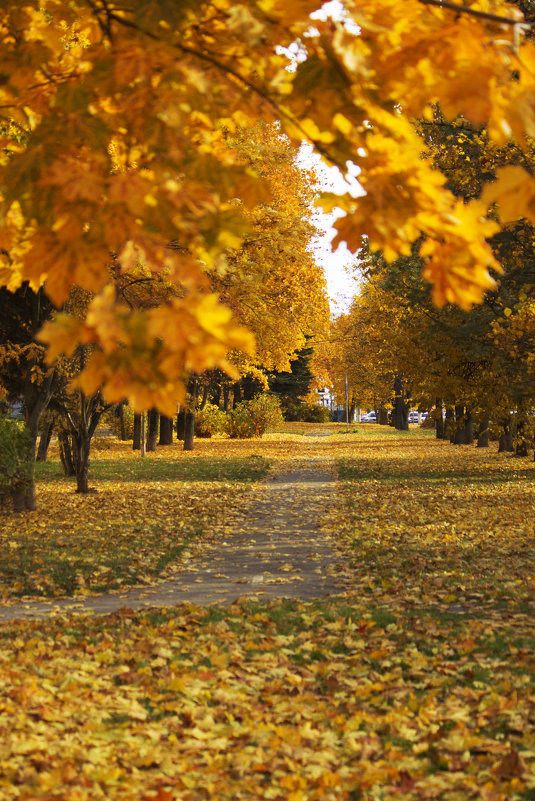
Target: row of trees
{"points": [[148, 200], [399, 349], [271, 282]]}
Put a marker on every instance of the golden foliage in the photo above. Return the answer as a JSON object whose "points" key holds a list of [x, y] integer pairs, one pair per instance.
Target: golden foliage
{"points": [[113, 145]]}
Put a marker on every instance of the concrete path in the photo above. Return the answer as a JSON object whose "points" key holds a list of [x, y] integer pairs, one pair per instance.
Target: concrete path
{"points": [[273, 549]]}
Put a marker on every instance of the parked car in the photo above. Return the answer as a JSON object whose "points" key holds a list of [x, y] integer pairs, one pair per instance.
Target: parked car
{"points": [[370, 417]]}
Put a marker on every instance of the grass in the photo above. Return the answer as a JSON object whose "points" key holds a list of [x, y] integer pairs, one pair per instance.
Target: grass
{"points": [[136, 527], [418, 682]]}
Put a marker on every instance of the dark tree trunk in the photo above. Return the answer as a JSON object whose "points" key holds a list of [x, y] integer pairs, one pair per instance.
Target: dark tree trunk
{"points": [[226, 398], [153, 418], [521, 441], [180, 425], [382, 419], [439, 419], [122, 423], [189, 431], [400, 413], [449, 423], [204, 398], [468, 429], [83, 446], [36, 400], [506, 438], [66, 453], [166, 430], [483, 434], [44, 441], [136, 445], [237, 393], [458, 435]]}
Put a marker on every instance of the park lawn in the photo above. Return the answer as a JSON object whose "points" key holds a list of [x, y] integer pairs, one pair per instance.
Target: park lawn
{"points": [[145, 515], [417, 683]]}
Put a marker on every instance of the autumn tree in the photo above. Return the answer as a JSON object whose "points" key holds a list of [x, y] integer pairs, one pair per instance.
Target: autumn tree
{"points": [[160, 84]]}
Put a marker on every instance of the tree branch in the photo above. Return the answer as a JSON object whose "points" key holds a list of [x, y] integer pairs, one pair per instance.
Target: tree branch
{"points": [[473, 12]]}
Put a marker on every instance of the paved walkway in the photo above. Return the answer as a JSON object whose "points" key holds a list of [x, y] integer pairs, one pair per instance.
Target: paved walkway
{"points": [[274, 549]]}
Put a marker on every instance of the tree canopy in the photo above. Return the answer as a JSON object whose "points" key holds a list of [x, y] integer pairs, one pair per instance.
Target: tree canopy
{"points": [[115, 152]]}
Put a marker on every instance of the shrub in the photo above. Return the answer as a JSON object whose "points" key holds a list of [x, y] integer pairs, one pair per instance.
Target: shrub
{"points": [[296, 412], [253, 418], [209, 421], [16, 458]]}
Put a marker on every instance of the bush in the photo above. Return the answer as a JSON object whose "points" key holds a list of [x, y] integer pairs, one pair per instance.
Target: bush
{"points": [[209, 421], [16, 458], [253, 418], [295, 412]]}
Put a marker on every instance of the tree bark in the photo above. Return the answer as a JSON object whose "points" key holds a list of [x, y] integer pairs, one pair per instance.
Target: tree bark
{"points": [[83, 445], [521, 441], [44, 441], [66, 453], [458, 434], [506, 438], [204, 399], [439, 419], [153, 418], [382, 419], [166, 430], [483, 434], [136, 445], [400, 414], [226, 398], [180, 425], [237, 393], [189, 431], [122, 422]]}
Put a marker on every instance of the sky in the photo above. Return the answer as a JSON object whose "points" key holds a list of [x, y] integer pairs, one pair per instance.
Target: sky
{"points": [[340, 266]]}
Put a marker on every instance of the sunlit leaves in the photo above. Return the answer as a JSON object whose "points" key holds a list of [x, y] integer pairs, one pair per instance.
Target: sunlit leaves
{"points": [[417, 683], [114, 147]]}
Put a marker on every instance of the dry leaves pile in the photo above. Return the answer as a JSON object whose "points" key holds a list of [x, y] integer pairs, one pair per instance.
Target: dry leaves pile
{"points": [[418, 684]]}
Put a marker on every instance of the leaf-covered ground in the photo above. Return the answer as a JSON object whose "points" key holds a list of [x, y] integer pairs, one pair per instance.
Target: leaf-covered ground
{"points": [[417, 684], [143, 517]]}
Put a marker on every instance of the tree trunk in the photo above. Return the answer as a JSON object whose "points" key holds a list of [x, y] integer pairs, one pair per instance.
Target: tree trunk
{"points": [[458, 434], [44, 441], [82, 463], [483, 434], [136, 445], [66, 453], [468, 429], [382, 419], [506, 438], [204, 399], [226, 398], [122, 422], [237, 393], [439, 419], [189, 431], [180, 425], [166, 430], [521, 441], [153, 418], [400, 414]]}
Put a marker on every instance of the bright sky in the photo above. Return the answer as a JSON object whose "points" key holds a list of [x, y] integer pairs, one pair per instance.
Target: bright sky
{"points": [[339, 267]]}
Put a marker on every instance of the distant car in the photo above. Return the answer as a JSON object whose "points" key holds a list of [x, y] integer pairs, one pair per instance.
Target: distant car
{"points": [[371, 417], [413, 417]]}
